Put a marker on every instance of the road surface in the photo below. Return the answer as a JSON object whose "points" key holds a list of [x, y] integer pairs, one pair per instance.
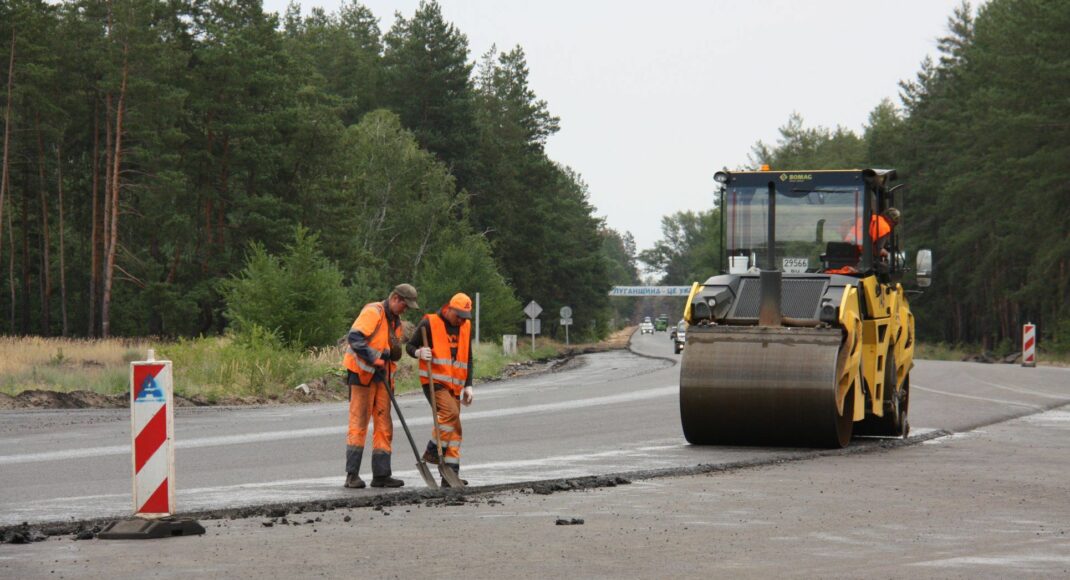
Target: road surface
{"points": [[989, 501]]}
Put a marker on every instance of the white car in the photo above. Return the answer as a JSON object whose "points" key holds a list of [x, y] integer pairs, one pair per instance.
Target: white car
{"points": [[646, 326]]}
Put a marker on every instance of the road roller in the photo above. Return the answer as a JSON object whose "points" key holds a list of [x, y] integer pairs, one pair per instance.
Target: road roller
{"points": [[805, 338]]}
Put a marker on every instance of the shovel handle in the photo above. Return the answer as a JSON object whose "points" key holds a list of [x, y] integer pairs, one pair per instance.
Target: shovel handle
{"points": [[431, 395]]}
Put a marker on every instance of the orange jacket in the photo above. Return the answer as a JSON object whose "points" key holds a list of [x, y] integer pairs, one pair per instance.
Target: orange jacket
{"points": [[879, 226], [370, 323], [445, 369]]}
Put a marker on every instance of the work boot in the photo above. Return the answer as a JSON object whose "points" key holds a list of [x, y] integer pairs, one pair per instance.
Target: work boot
{"points": [[353, 457], [431, 453], [381, 470]]}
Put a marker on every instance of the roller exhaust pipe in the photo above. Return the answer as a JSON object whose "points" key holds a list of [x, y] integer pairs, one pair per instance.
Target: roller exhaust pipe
{"points": [[769, 307]]}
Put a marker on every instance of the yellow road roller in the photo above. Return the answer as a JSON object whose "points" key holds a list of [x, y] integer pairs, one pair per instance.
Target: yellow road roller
{"points": [[806, 337]]}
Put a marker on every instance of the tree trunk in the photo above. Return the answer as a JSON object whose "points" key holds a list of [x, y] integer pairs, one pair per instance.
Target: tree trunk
{"points": [[113, 241], [46, 241], [94, 244], [105, 204], [25, 322], [62, 257], [7, 142], [11, 269]]}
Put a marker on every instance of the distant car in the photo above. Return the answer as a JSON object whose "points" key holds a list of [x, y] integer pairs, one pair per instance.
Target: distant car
{"points": [[646, 326], [679, 336], [661, 324]]}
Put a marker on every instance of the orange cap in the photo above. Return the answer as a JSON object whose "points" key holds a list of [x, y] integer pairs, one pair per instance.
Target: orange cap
{"points": [[461, 304]]}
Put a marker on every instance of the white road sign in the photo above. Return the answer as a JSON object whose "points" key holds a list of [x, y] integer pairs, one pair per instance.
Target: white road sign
{"points": [[566, 312], [533, 309], [533, 326], [650, 291], [566, 322]]}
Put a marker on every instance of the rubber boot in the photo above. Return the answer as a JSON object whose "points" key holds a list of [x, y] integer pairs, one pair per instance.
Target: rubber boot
{"points": [[456, 469], [381, 471], [431, 453], [353, 457]]}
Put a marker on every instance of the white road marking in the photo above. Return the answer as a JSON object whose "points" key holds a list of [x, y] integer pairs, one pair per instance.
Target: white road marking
{"points": [[245, 494], [1022, 391], [1015, 561], [975, 398], [341, 429]]}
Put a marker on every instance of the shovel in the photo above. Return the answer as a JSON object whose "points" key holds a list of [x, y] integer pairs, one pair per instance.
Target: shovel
{"points": [[425, 472], [448, 474]]}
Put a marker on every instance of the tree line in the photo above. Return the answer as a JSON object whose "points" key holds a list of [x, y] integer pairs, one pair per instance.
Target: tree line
{"points": [[156, 154], [982, 138]]}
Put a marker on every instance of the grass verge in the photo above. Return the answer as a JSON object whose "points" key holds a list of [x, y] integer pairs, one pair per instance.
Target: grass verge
{"points": [[213, 370]]}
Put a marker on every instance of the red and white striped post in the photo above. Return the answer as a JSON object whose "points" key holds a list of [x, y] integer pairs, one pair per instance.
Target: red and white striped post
{"points": [[153, 432], [152, 427], [1029, 345]]}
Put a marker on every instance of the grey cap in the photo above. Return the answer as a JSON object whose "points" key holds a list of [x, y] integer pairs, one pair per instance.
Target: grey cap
{"points": [[407, 292]]}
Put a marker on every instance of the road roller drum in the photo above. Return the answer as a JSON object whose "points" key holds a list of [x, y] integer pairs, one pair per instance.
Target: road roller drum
{"points": [[763, 385]]}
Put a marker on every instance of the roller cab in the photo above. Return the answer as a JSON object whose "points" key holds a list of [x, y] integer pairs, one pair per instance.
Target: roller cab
{"points": [[806, 337]]}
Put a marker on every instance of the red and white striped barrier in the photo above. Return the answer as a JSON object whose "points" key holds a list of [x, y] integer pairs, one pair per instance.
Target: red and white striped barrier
{"points": [[1029, 345], [153, 431]]}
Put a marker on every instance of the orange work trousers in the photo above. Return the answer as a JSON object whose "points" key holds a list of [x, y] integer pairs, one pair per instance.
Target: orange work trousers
{"points": [[370, 402], [449, 425]]}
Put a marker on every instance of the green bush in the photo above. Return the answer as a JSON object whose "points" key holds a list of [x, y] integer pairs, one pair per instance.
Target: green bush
{"points": [[298, 297], [254, 362], [468, 267]]}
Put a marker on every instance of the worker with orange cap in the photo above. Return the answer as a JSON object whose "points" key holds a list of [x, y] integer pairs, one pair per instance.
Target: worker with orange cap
{"points": [[448, 353]]}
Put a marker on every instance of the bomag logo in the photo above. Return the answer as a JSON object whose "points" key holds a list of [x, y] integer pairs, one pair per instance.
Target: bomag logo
{"points": [[794, 177]]}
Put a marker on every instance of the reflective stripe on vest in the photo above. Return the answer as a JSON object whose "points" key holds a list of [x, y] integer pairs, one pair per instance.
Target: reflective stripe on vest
{"points": [[446, 370]]}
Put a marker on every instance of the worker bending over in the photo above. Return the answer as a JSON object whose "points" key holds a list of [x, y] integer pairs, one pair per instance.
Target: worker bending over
{"points": [[449, 354], [373, 349]]}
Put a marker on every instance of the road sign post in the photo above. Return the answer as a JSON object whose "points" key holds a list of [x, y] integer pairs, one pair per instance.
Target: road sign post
{"points": [[566, 320], [533, 324], [477, 318]]}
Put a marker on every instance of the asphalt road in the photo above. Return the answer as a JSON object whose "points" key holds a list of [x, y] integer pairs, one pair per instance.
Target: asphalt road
{"points": [[988, 501], [605, 413]]}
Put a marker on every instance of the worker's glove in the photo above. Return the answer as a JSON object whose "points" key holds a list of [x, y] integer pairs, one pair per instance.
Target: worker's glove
{"points": [[379, 363], [423, 353], [466, 396]]}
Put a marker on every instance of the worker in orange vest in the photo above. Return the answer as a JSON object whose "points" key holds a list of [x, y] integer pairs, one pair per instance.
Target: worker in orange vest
{"points": [[449, 354], [880, 232], [373, 349]]}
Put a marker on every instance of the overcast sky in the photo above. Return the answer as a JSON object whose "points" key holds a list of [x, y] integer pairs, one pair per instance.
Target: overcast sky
{"points": [[654, 97]]}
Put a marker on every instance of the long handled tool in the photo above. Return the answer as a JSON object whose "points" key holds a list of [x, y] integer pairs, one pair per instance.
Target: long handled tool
{"points": [[425, 472], [448, 474]]}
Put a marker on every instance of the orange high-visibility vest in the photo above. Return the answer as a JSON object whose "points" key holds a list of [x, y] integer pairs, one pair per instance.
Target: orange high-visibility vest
{"points": [[446, 370], [370, 323], [878, 228]]}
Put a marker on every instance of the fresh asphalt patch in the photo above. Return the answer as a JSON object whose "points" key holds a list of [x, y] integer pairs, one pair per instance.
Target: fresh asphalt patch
{"points": [[87, 529]]}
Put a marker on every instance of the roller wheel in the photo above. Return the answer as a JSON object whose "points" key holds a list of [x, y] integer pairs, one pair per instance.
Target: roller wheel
{"points": [[845, 423], [902, 405], [896, 404]]}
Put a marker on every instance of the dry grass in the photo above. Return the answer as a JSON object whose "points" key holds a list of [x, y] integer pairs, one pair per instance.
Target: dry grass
{"points": [[61, 364], [213, 369]]}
